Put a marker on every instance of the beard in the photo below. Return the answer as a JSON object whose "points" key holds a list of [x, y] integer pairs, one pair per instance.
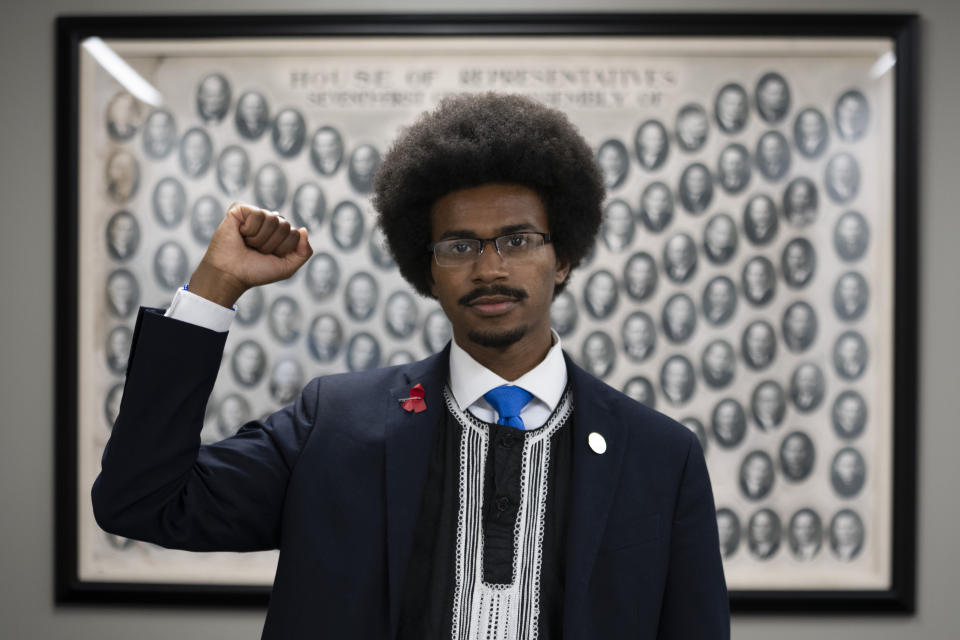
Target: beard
{"points": [[499, 340]]}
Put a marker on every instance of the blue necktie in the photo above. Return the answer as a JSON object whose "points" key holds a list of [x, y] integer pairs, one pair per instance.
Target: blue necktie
{"points": [[508, 401]]}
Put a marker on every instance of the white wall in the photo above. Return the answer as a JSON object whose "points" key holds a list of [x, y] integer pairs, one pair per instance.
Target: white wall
{"points": [[27, 294]]}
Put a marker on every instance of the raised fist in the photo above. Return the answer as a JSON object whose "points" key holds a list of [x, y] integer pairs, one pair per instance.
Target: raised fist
{"points": [[251, 247]]}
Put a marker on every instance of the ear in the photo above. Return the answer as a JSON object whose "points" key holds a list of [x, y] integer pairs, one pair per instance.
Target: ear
{"points": [[562, 271]]}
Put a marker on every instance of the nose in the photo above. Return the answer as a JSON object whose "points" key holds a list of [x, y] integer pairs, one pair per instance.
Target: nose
{"points": [[490, 265]]}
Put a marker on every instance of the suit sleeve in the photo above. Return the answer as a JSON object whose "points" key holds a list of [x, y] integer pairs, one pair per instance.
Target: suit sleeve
{"points": [[158, 484], [695, 603]]}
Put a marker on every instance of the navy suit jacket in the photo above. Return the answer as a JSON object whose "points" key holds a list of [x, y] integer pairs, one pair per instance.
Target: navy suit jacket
{"points": [[335, 482]]}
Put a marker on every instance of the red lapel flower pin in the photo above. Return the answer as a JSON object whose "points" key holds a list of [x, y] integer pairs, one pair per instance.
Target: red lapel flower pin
{"points": [[415, 402]]}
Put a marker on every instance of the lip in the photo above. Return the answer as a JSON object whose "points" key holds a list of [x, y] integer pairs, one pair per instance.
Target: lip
{"points": [[490, 306]]}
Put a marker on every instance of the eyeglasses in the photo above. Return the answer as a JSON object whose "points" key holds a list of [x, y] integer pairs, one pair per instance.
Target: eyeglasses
{"points": [[458, 252]]}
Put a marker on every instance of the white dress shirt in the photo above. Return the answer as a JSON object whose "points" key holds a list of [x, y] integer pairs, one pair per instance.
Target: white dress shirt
{"points": [[469, 380]]}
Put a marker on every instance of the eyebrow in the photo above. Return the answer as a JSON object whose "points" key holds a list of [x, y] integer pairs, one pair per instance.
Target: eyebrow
{"points": [[467, 233]]}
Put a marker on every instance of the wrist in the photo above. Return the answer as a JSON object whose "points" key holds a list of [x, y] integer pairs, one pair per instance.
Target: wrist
{"points": [[216, 285]]}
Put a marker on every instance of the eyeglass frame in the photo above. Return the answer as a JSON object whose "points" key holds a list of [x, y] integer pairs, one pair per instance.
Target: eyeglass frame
{"points": [[431, 248]]}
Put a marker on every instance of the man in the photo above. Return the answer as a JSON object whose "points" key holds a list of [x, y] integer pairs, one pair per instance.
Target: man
{"points": [[400, 315], [213, 97], [123, 235], [252, 115], [360, 296], [614, 163], [717, 363], [640, 389], [250, 307], [169, 202], [773, 97], [196, 152], [696, 188], [805, 535], [309, 206], [850, 355], [640, 276], [797, 456], [122, 176], [248, 363], [759, 281], [124, 116], [600, 294], [852, 113], [799, 261], [285, 319], [325, 337], [323, 274], [363, 352], [598, 354], [205, 218], [769, 405], [733, 168], [692, 127], [286, 380], [617, 227], [436, 331], [719, 300], [849, 415], [656, 206], [846, 535], [123, 293], [159, 134], [811, 133], [270, 187], [170, 264], [563, 314], [639, 336], [850, 296], [799, 326], [756, 475], [362, 168], [289, 130], [773, 155], [372, 484], [680, 258], [731, 108], [728, 526], [346, 225], [800, 202], [380, 250], [851, 236], [758, 344], [763, 534], [326, 150], [729, 423], [118, 348], [842, 178], [677, 379], [760, 219], [679, 318], [651, 145], [233, 170], [720, 238], [848, 472]]}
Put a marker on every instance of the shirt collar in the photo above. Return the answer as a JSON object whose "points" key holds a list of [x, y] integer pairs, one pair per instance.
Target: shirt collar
{"points": [[470, 380]]}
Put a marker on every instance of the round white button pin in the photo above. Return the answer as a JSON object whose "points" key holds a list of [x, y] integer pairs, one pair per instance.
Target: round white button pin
{"points": [[597, 443]]}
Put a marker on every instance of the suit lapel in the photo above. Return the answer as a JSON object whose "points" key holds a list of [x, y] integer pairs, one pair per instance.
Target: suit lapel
{"points": [[409, 438], [594, 481]]}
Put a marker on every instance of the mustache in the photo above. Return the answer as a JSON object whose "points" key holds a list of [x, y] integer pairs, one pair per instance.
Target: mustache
{"points": [[493, 290]]}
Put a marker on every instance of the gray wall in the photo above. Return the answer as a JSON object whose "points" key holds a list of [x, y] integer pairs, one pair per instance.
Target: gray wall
{"points": [[26, 325]]}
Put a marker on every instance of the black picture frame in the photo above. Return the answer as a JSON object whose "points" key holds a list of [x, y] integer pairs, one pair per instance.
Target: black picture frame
{"points": [[901, 29]]}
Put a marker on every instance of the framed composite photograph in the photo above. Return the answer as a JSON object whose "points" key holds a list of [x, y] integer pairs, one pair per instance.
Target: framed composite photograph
{"points": [[754, 278]]}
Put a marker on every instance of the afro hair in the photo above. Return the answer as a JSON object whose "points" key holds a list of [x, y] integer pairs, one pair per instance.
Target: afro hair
{"points": [[472, 140]]}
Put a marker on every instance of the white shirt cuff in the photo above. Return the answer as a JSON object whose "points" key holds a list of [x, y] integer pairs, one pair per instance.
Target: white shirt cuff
{"points": [[189, 307]]}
